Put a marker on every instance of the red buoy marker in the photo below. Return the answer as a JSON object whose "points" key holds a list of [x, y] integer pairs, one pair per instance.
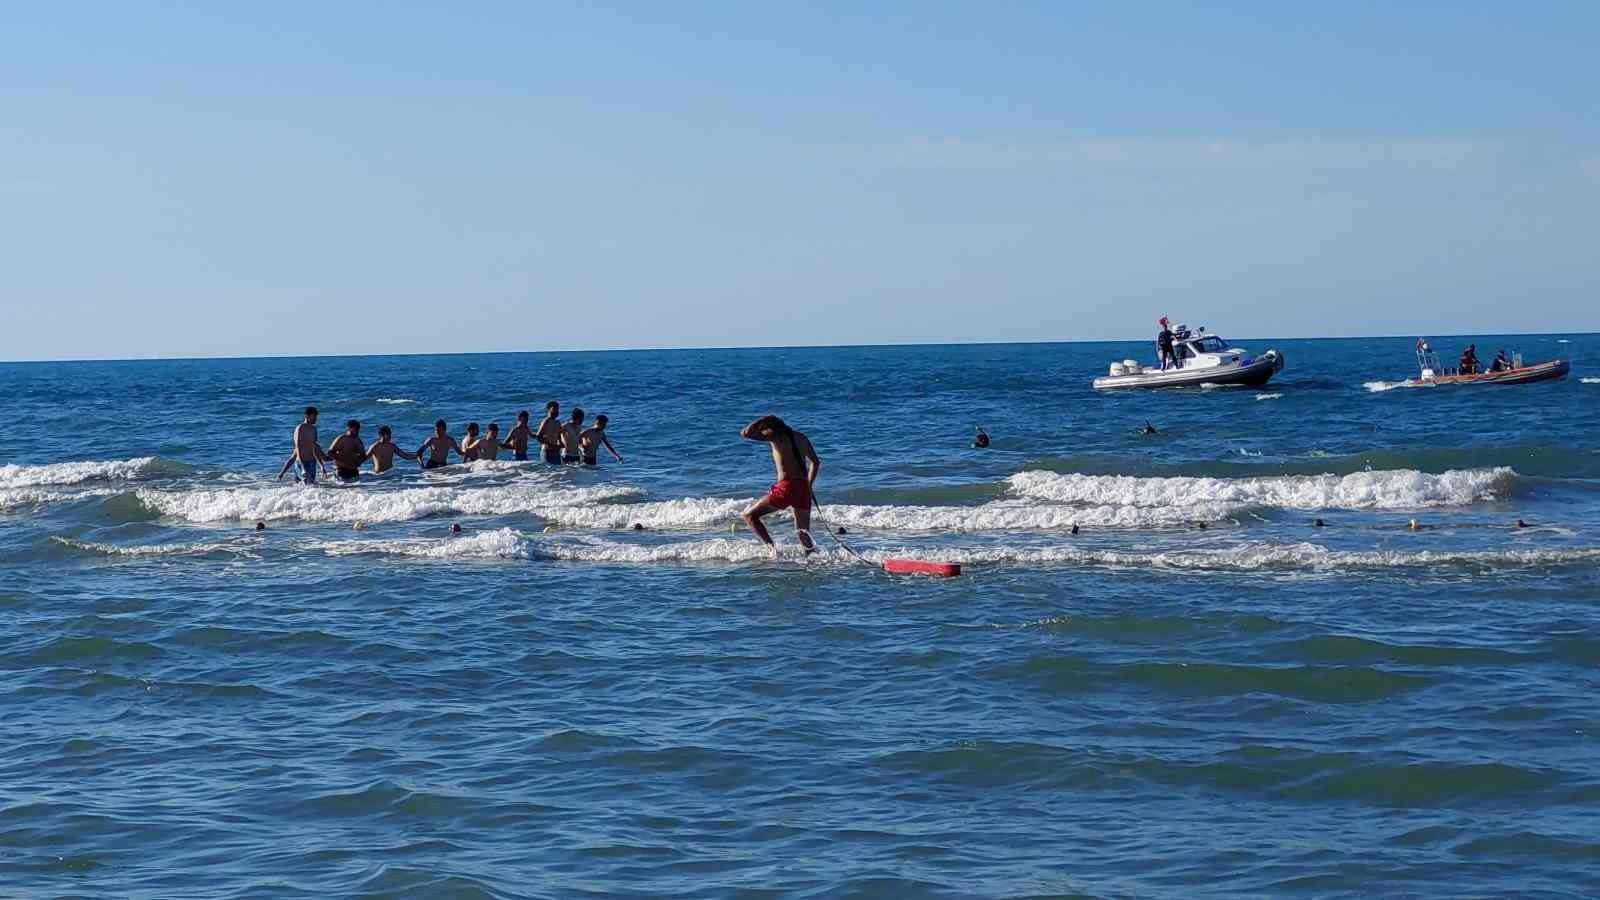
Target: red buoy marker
{"points": [[919, 567]]}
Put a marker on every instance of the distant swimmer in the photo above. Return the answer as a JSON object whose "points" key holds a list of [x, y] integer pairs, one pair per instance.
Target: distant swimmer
{"points": [[385, 450], [1148, 429], [517, 440], [797, 465], [348, 452], [469, 443], [437, 449], [489, 447], [572, 437], [982, 440], [306, 450], [549, 433], [592, 439]]}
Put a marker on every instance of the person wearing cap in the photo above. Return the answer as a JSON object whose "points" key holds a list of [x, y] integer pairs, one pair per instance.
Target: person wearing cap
{"points": [[1469, 360], [1164, 345]]}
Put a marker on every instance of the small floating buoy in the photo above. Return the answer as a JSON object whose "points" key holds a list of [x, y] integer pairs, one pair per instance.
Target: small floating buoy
{"points": [[920, 567]]}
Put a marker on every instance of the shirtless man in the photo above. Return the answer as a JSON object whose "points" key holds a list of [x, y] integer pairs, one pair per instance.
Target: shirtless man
{"points": [[306, 450], [572, 437], [517, 440], [348, 453], [592, 439], [797, 464], [549, 433], [469, 443], [489, 446], [438, 447], [384, 451]]}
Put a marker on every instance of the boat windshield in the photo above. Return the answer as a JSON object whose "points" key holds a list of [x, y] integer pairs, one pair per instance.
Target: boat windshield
{"points": [[1211, 344]]}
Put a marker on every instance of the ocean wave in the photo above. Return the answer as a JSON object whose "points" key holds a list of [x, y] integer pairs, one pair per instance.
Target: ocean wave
{"points": [[1378, 387], [1394, 489], [15, 498], [195, 549], [395, 401], [329, 504], [1590, 380], [510, 544], [1010, 515], [69, 473], [1268, 396]]}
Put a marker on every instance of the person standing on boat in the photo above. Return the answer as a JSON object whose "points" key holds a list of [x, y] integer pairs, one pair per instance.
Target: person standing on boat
{"points": [[1164, 345], [1469, 360]]}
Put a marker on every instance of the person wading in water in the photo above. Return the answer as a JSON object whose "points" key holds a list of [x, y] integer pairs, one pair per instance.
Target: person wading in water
{"points": [[797, 465]]}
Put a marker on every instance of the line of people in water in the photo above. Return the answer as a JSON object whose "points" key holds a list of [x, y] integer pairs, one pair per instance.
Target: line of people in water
{"points": [[561, 443], [793, 456]]}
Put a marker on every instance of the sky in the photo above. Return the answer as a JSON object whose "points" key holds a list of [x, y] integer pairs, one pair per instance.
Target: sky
{"points": [[307, 179]]}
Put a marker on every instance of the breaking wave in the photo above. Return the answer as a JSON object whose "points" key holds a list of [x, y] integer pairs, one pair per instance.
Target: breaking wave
{"points": [[1010, 515], [1590, 380], [1378, 387], [69, 473], [1268, 396], [1400, 489], [197, 549], [328, 504], [510, 544], [395, 401]]}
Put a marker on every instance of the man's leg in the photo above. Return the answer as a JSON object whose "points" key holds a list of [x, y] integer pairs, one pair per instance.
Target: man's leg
{"points": [[802, 524], [752, 517]]}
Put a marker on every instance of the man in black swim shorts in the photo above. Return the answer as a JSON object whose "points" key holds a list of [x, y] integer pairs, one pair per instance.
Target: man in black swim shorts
{"points": [[348, 452], [435, 451]]}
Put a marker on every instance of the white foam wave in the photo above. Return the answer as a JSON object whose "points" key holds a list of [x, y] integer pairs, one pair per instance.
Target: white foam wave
{"points": [[1252, 557], [138, 550], [395, 401], [1378, 387], [14, 498], [332, 504], [64, 473], [1401, 489], [1012, 515], [509, 544], [1268, 396], [1590, 380]]}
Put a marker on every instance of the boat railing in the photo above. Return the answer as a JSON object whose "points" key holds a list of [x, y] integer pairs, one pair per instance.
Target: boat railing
{"points": [[1428, 363]]}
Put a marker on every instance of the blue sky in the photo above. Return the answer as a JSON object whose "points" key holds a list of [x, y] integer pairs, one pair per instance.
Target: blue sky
{"points": [[359, 178]]}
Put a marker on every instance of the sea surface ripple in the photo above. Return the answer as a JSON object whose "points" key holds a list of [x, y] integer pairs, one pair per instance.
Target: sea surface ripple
{"points": [[1196, 693]]}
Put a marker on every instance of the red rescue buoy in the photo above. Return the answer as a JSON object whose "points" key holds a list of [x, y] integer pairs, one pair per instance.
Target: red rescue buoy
{"points": [[920, 567]]}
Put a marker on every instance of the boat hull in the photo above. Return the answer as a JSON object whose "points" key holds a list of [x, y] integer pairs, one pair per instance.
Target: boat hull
{"points": [[1546, 371], [1256, 374]]}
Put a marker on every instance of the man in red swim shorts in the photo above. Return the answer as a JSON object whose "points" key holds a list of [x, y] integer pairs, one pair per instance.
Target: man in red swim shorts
{"points": [[797, 464]]}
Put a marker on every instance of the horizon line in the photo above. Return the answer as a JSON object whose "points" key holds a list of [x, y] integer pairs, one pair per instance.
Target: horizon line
{"points": [[710, 347]]}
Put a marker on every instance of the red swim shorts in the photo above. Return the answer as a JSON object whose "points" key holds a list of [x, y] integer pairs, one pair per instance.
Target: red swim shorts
{"points": [[790, 492]]}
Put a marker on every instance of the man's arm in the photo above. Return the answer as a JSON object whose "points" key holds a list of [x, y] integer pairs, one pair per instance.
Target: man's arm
{"points": [[405, 454], [607, 441], [287, 466], [759, 430], [815, 461], [456, 447]]}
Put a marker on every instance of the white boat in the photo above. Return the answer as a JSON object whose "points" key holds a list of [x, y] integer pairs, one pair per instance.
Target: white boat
{"points": [[1202, 359]]}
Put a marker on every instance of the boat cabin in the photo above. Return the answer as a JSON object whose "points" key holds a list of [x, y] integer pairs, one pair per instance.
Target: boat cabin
{"points": [[1206, 350]]}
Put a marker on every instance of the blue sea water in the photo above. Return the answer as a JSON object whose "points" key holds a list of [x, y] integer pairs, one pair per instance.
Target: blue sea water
{"points": [[554, 704]]}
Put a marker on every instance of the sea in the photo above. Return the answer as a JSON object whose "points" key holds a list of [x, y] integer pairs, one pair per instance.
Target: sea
{"points": [[1156, 676]]}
